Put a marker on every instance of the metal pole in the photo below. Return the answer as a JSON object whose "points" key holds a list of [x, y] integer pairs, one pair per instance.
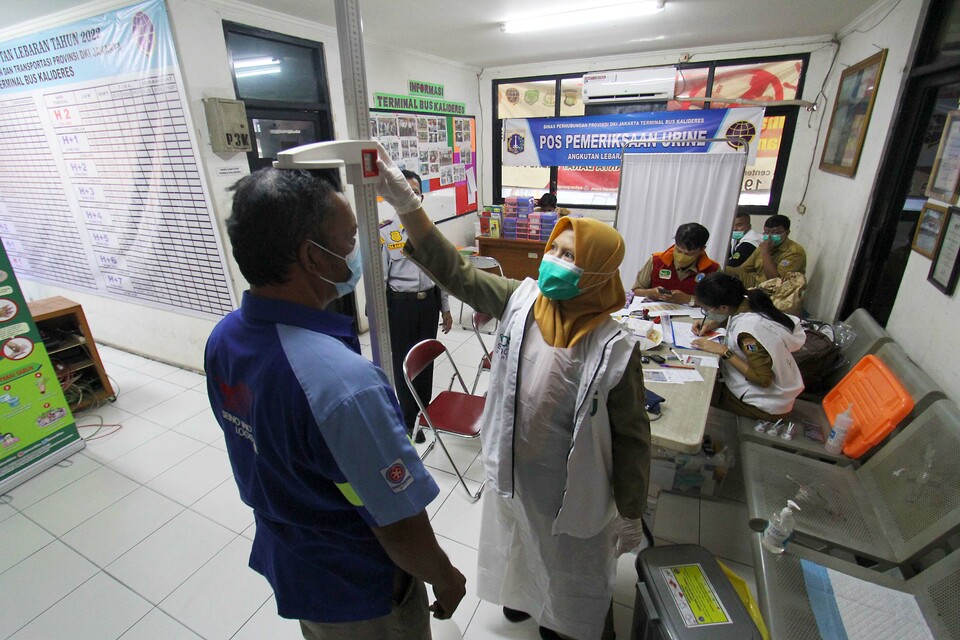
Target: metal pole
{"points": [[353, 69]]}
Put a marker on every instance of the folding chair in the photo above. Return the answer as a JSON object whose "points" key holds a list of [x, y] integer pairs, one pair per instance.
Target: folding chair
{"points": [[486, 263], [479, 320], [895, 508], [451, 412]]}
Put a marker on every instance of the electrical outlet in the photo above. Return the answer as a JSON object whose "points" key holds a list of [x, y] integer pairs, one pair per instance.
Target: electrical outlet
{"points": [[801, 209]]}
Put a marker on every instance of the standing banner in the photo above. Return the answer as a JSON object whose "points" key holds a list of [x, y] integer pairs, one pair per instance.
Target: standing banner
{"points": [[37, 429], [598, 141], [101, 188]]}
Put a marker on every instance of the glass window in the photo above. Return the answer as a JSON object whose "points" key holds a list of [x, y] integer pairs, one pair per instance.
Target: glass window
{"points": [[267, 69], [274, 136], [535, 99], [595, 186], [571, 97], [758, 177], [761, 81], [525, 181], [948, 40], [690, 83]]}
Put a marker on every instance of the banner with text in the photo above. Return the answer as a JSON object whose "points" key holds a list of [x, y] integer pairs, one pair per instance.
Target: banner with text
{"points": [[598, 141]]}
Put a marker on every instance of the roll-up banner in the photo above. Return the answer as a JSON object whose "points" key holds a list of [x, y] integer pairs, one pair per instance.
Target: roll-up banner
{"points": [[598, 141]]}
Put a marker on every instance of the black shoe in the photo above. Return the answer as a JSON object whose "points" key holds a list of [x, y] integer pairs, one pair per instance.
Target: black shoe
{"points": [[420, 437], [546, 634], [515, 616]]}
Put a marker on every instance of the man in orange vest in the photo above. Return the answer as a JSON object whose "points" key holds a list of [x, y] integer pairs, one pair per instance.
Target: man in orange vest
{"points": [[671, 275]]}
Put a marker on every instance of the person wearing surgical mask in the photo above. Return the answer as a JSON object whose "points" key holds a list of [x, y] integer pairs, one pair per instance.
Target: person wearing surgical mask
{"points": [[311, 426], [743, 240], [761, 379], [776, 256], [566, 438], [671, 275]]}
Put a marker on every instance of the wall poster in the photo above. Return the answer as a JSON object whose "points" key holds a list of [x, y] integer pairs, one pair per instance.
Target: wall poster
{"points": [[100, 184], [442, 149]]}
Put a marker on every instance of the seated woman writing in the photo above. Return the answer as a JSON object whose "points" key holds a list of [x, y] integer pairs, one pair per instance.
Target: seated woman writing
{"points": [[760, 377]]}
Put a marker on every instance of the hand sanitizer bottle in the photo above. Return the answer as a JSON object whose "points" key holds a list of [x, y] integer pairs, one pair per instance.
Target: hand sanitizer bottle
{"points": [[780, 529]]}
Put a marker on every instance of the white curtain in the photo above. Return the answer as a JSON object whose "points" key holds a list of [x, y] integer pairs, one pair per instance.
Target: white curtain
{"points": [[659, 192]]}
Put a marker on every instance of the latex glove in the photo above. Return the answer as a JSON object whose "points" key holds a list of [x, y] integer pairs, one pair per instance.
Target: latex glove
{"points": [[630, 535], [393, 187]]}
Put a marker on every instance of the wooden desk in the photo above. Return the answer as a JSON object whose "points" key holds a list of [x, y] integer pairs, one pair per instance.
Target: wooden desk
{"points": [[519, 258]]}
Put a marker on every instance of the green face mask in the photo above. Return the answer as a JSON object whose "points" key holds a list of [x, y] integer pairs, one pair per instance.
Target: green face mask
{"points": [[738, 235], [559, 280], [776, 239]]}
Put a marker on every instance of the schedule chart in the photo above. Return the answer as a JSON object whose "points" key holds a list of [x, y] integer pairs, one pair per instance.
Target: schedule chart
{"points": [[100, 185]]}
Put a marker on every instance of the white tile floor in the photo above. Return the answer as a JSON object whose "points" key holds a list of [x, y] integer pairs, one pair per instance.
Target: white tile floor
{"points": [[142, 535]]}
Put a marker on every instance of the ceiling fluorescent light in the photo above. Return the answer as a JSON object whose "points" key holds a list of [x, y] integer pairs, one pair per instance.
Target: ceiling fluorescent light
{"points": [[261, 61], [584, 16]]}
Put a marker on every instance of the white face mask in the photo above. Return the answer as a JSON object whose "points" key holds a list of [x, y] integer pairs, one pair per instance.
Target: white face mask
{"points": [[354, 263]]}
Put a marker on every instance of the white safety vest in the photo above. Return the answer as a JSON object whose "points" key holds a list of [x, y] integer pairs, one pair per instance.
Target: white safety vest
{"points": [[780, 343]]}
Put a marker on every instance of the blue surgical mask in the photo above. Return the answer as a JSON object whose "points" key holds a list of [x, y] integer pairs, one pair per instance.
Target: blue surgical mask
{"points": [[355, 265], [776, 239], [738, 235], [716, 317], [558, 279]]}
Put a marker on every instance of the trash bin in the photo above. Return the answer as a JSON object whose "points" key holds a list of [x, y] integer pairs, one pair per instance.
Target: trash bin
{"points": [[683, 594]]}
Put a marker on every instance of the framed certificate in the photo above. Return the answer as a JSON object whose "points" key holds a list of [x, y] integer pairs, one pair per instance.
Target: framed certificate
{"points": [[944, 268], [929, 228], [851, 115], [945, 177]]}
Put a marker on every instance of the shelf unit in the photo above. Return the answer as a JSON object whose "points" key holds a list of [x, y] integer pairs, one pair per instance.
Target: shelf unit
{"points": [[67, 338]]}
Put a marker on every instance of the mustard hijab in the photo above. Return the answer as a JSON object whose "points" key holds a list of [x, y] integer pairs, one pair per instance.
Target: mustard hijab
{"points": [[598, 250]]}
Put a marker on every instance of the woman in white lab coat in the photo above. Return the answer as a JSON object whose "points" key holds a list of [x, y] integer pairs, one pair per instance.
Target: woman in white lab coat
{"points": [[566, 439]]}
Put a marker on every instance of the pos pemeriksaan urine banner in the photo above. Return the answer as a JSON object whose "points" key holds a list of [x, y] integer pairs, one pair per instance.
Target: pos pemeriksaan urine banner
{"points": [[37, 429], [598, 141]]}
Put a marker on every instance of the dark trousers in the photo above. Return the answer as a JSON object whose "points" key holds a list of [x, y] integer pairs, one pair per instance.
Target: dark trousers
{"points": [[411, 321]]}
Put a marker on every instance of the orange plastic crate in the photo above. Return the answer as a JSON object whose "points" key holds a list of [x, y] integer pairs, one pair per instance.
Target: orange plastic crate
{"points": [[879, 402]]}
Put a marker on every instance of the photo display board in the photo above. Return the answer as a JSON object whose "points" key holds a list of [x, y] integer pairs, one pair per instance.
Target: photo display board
{"points": [[442, 149], [100, 184]]}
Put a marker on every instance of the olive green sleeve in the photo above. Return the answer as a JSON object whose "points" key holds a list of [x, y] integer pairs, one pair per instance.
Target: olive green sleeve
{"points": [[760, 371], [644, 276], [439, 259], [630, 429], [793, 259]]}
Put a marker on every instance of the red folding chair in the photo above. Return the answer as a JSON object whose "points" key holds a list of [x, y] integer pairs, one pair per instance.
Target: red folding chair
{"points": [[451, 412], [479, 320]]}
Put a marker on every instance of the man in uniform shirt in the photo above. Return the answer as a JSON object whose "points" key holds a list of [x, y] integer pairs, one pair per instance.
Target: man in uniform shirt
{"points": [[776, 256], [671, 275], [413, 304], [313, 429], [743, 241]]}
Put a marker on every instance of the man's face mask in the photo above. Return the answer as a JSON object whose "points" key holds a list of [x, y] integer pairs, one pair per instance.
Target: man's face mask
{"points": [[775, 239], [684, 260], [355, 265], [738, 235], [559, 279]]}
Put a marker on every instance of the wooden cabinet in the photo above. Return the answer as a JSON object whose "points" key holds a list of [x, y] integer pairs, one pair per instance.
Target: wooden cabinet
{"points": [[72, 351], [519, 258]]}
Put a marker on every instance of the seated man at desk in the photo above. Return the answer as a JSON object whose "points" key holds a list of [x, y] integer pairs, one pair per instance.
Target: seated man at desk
{"points": [[743, 241], [671, 275], [776, 256], [547, 203]]}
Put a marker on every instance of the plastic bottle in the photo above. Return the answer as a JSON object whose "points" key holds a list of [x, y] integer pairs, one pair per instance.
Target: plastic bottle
{"points": [[838, 434], [780, 529]]}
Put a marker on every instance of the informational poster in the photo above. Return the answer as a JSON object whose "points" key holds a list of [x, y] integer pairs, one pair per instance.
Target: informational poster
{"points": [[598, 141], [100, 186], [441, 149], [36, 426]]}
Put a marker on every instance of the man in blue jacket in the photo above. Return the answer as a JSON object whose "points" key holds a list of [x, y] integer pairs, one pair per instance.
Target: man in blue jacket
{"points": [[313, 430]]}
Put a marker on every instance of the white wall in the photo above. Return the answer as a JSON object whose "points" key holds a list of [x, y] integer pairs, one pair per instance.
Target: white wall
{"points": [[832, 228], [198, 31]]}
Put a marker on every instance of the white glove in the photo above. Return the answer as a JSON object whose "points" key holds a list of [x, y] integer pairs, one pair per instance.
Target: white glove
{"points": [[393, 187], [630, 535]]}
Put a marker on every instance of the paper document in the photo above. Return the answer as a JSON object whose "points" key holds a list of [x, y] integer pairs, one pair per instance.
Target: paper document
{"points": [[683, 334], [702, 361], [655, 308], [848, 607], [671, 376]]}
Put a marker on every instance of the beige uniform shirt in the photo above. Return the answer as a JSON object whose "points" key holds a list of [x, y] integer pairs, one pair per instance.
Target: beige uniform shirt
{"points": [[789, 257]]}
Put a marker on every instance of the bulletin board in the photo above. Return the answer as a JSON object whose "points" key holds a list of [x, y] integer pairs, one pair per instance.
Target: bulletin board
{"points": [[101, 188], [442, 149]]}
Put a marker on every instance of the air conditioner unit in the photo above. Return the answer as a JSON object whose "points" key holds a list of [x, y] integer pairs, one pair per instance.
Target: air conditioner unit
{"points": [[652, 84]]}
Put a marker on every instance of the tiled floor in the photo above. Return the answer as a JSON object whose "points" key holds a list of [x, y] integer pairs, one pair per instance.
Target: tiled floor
{"points": [[142, 535]]}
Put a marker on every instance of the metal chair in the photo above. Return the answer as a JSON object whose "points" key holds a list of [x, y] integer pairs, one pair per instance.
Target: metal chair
{"points": [[486, 263], [478, 320], [451, 412], [892, 510], [785, 602], [870, 337]]}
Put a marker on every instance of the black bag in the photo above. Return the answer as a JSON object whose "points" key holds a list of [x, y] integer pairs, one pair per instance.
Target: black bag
{"points": [[818, 356]]}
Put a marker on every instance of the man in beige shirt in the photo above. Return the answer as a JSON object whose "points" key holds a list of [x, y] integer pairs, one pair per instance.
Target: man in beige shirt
{"points": [[776, 256]]}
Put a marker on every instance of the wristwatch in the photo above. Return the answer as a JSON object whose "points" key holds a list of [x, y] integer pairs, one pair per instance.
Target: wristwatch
{"points": [[727, 354]]}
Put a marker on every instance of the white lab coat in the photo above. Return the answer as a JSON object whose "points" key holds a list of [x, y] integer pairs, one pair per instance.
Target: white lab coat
{"points": [[780, 343], [546, 538]]}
